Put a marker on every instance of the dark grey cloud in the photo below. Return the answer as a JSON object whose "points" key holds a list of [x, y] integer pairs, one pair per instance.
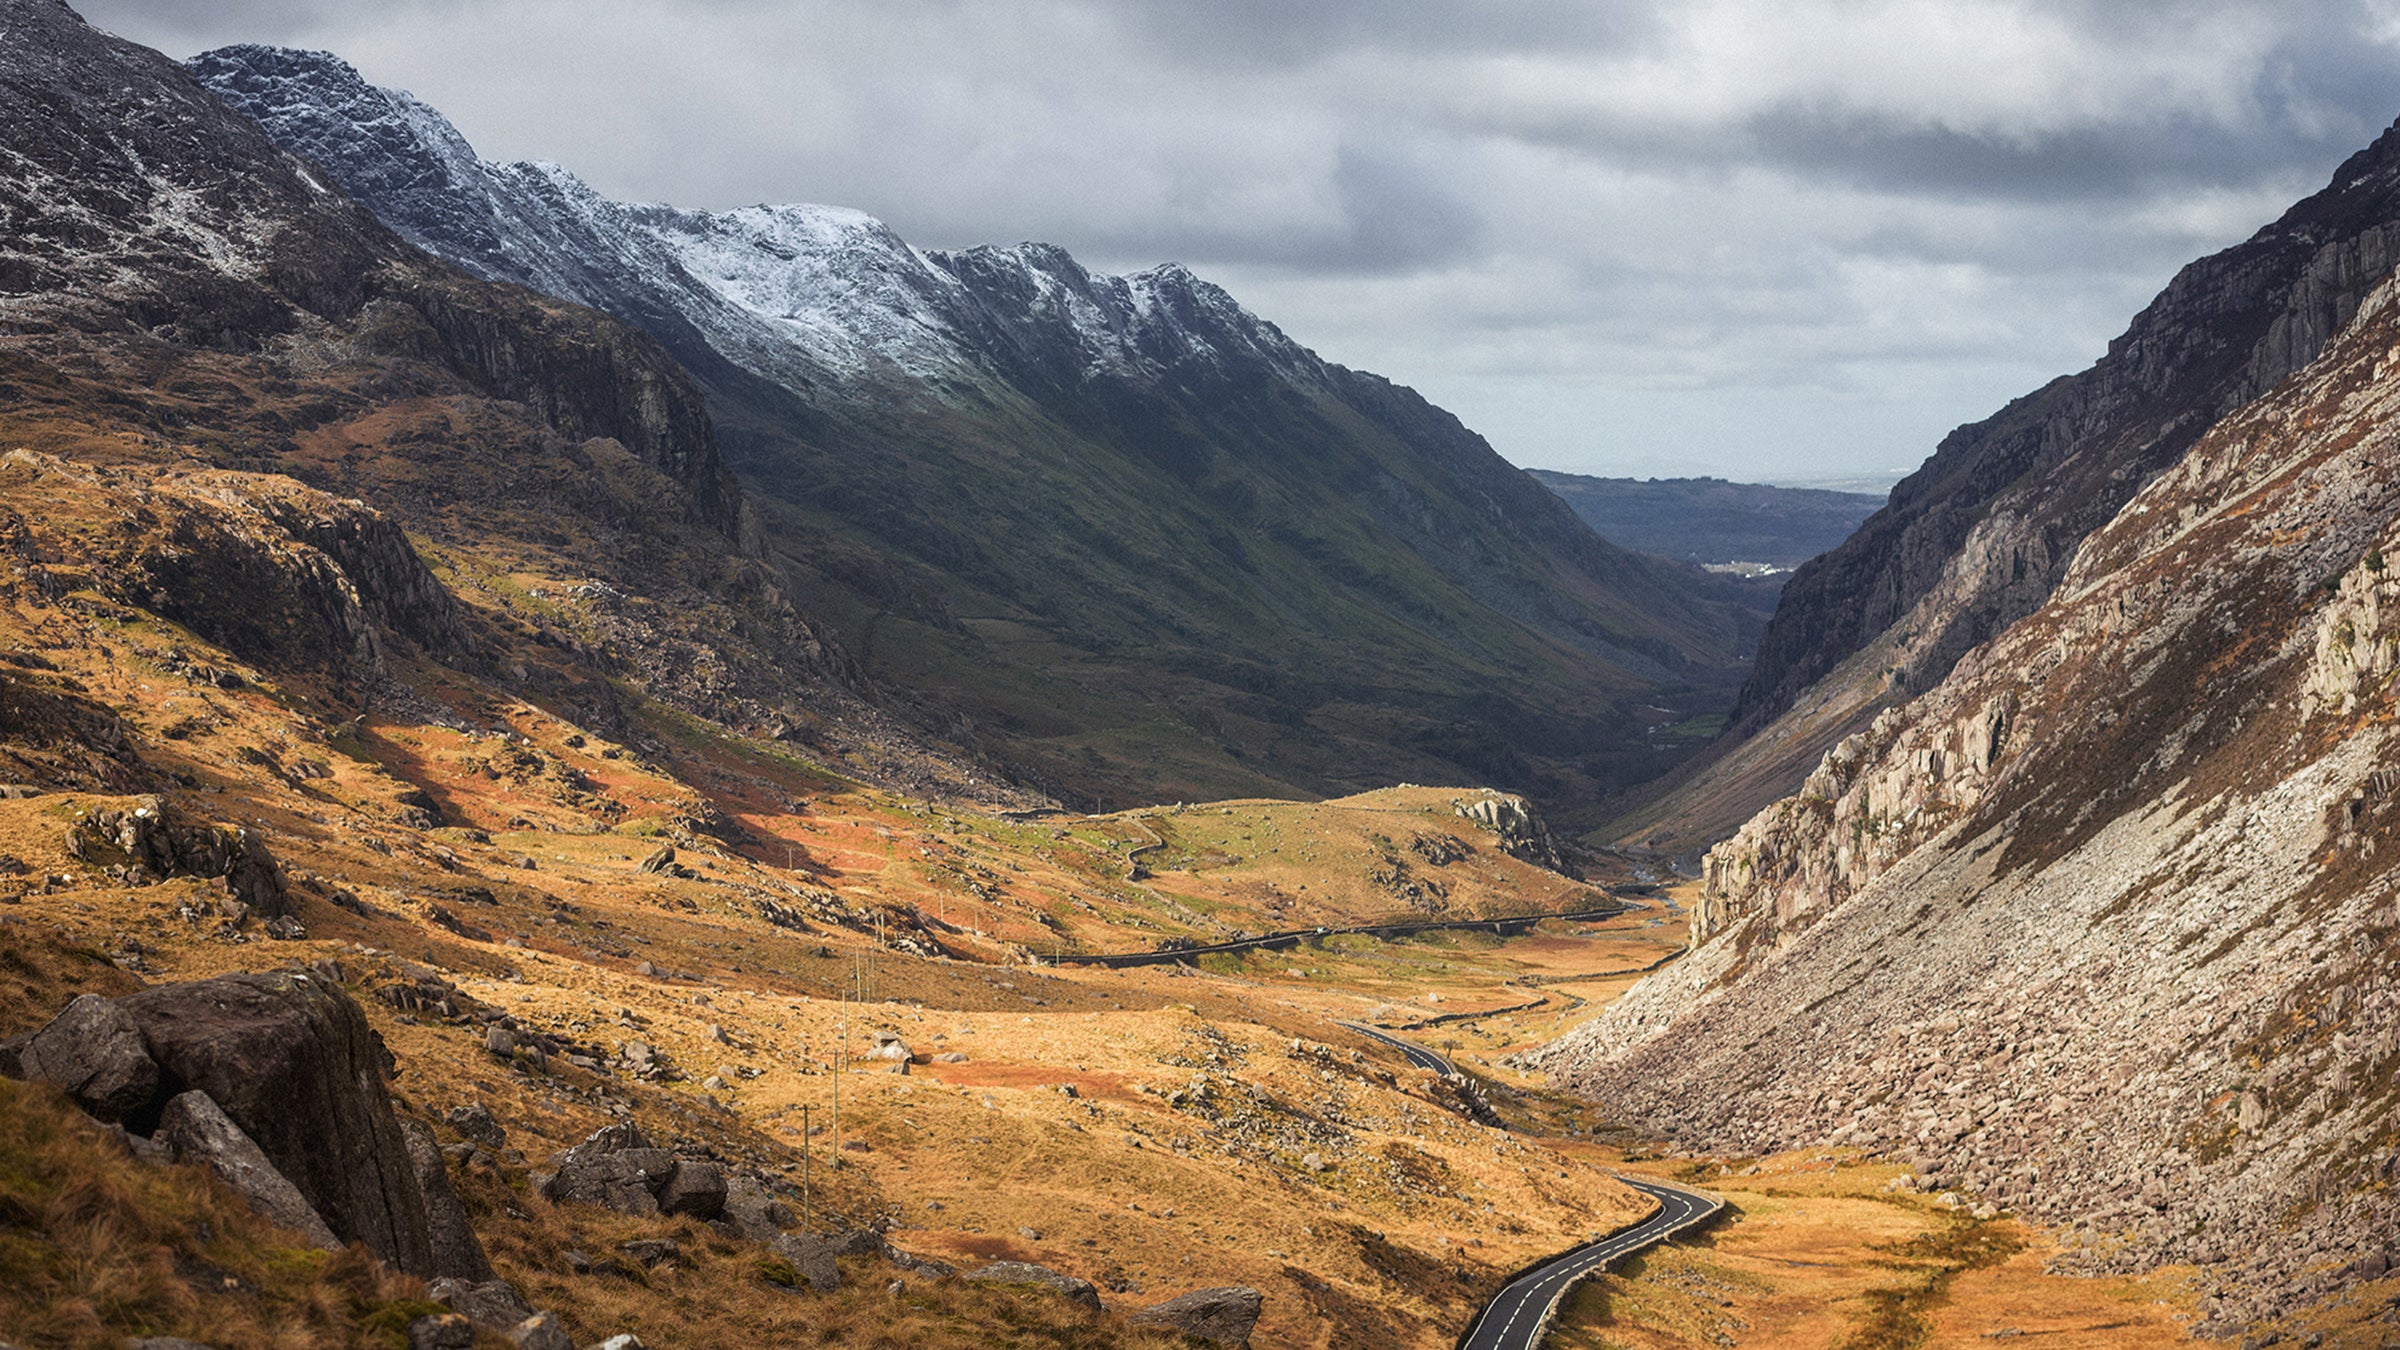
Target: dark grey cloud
{"points": [[1284, 33], [1761, 237]]}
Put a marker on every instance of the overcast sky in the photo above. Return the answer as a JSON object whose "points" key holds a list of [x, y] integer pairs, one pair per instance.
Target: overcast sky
{"points": [[1775, 240]]}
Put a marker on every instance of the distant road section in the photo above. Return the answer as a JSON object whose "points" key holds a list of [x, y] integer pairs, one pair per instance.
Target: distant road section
{"points": [[1417, 1054], [1423, 1058], [1520, 1314], [1512, 926]]}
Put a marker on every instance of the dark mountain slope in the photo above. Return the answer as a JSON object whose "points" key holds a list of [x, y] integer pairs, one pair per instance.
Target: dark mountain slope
{"points": [[1145, 543], [174, 286]]}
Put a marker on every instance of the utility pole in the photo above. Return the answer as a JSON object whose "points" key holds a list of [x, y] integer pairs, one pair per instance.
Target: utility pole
{"points": [[807, 1221], [841, 1041]]}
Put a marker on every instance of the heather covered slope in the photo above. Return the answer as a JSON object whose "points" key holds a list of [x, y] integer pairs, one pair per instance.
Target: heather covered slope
{"points": [[1981, 535], [2099, 928], [1146, 544]]}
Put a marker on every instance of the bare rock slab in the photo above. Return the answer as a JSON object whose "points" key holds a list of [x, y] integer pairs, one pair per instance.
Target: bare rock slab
{"points": [[1074, 1287], [457, 1253], [199, 1132]]}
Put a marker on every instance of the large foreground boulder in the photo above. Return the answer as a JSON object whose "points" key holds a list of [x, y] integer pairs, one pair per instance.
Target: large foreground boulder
{"points": [[277, 1083], [1217, 1316], [291, 1060]]}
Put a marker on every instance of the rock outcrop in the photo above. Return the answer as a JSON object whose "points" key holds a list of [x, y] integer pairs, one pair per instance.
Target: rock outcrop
{"points": [[1985, 532], [147, 842], [277, 1083], [1523, 834], [284, 576], [1074, 1287], [618, 1168]]}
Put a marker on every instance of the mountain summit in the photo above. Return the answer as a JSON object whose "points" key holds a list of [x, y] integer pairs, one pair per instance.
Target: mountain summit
{"points": [[1133, 539]]}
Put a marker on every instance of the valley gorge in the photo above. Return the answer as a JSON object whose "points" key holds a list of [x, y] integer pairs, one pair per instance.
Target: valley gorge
{"points": [[591, 773]]}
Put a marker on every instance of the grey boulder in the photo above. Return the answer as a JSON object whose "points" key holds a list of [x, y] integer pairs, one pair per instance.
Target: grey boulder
{"points": [[812, 1258], [494, 1304], [752, 1211], [695, 1188], [1218, 1316], [475, 1121], [541, 1331], [1025, 1272], [617, 1167]]}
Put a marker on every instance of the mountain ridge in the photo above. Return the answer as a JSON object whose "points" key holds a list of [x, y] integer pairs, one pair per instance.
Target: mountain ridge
{"points": [[1711, 520], [1132, 539]]}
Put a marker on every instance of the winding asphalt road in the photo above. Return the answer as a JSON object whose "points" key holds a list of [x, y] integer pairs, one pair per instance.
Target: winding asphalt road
{"points": [[1417, 1054], [1520, 1313]]}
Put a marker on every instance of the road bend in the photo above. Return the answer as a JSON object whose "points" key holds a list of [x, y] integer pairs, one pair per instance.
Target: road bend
{"points": [[1519, 1315], [1423, 1058], [1417, 1054]]}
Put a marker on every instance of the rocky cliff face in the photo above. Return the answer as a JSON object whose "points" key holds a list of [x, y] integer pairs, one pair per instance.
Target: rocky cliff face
{"points": [[1058, 501], [1983, 533], [2094, 929], [285, 576]]}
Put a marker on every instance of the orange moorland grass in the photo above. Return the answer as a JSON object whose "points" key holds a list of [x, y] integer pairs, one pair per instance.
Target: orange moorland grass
{"points": [[1820, 1251], [96, 1246]]}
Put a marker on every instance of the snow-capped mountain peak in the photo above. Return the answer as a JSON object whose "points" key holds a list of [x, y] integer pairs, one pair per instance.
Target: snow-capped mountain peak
{"points": [[798, 294]]}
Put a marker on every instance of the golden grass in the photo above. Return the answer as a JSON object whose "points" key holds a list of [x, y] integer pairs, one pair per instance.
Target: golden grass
{"points": [[1820, 1254], [96, 1246]]}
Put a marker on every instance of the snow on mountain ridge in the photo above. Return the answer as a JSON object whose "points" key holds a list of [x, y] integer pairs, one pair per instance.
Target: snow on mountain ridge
{"points": [[791, 292]]}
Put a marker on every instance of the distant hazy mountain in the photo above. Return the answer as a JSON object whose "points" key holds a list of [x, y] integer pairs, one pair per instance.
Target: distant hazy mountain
{"points": [[1709, 520], [1137, 540]]}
